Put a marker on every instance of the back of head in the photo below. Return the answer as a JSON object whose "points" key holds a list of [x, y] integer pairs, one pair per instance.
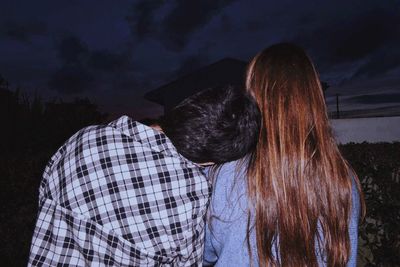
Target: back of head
{"points": [[286, 86], [298, 178], [217, 125]]}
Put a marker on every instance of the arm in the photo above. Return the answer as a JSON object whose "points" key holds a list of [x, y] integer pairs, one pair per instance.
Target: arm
{"points": [[210, 253], [353, 227], [225, 240], [214, 225]]}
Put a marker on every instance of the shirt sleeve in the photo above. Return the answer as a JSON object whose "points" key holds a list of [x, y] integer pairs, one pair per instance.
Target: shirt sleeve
{"points": [[62, 236]]}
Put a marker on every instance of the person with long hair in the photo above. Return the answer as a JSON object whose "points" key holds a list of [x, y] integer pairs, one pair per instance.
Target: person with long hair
{"points": [[295, 201]]}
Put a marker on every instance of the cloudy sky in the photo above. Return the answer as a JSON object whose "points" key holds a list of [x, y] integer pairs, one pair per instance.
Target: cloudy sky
{"points": [[115, 51]]}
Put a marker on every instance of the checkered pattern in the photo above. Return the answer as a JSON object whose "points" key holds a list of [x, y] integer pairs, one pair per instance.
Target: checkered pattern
{"points": [[120, 195]]}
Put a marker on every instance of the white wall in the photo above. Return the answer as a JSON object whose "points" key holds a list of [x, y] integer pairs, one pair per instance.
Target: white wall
{"points": [[372, 130]]}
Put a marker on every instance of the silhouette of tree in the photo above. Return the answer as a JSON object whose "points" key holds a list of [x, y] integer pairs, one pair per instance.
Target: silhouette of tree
{"points": [[31, 132], [32, 125]]}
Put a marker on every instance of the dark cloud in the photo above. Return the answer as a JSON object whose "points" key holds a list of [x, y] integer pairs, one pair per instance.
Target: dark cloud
{"points": [[83, 69], [126, 82], [71, 80], [255, 24], [71, 50], [142, 19], [392, 98], [379, 63], [22, 31], [73, 76], [363, 36], [188, 16], [108, 61], [351, 38], [226, 24], [175, 28]]}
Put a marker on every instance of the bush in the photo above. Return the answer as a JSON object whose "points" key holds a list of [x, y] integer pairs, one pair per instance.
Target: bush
{"points": [[378, 167], [19, 197], [32, 132]]}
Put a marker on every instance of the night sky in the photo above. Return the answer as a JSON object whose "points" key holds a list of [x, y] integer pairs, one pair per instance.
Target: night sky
{"points": [[114, 51]]}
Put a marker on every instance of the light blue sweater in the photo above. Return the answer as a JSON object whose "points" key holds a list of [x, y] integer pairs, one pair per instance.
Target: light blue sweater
{"points": [[225, 242]]}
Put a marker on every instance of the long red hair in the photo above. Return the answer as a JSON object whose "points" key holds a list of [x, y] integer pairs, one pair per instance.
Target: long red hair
{"points": [[298, 181]]}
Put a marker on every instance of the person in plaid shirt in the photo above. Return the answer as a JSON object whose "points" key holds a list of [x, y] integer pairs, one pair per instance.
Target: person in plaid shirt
{"points": [[125, 194]]}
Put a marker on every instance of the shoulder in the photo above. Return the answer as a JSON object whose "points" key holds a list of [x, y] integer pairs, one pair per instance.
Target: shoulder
{"points": [[229, 189], [225, 178], [230, 174], [227, 222]]}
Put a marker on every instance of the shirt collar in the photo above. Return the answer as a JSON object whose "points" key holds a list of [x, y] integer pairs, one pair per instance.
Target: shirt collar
{"points": [[147, 136]]}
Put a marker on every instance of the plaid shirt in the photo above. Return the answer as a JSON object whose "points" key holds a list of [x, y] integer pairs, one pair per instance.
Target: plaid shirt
{"points": [[120, 195]]}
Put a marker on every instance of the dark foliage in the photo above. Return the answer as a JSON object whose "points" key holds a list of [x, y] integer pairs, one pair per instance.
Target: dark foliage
{"points": [[31, 132], [378, 166], [31, 125]]}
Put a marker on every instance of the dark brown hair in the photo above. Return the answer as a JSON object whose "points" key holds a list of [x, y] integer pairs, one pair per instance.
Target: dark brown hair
{"points": [[219, 124], [297, 179]]}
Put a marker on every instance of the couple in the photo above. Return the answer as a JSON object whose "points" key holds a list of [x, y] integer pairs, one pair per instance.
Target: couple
{"points": [[125, 194]]}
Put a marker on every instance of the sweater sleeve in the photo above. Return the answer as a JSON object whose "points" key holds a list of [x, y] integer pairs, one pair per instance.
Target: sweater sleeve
{"points": [[215, 223], [225, 240], [353, 227], [210, 255]]}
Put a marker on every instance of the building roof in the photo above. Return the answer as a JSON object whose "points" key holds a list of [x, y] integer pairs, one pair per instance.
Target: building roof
{"points": [[227, 71]]}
